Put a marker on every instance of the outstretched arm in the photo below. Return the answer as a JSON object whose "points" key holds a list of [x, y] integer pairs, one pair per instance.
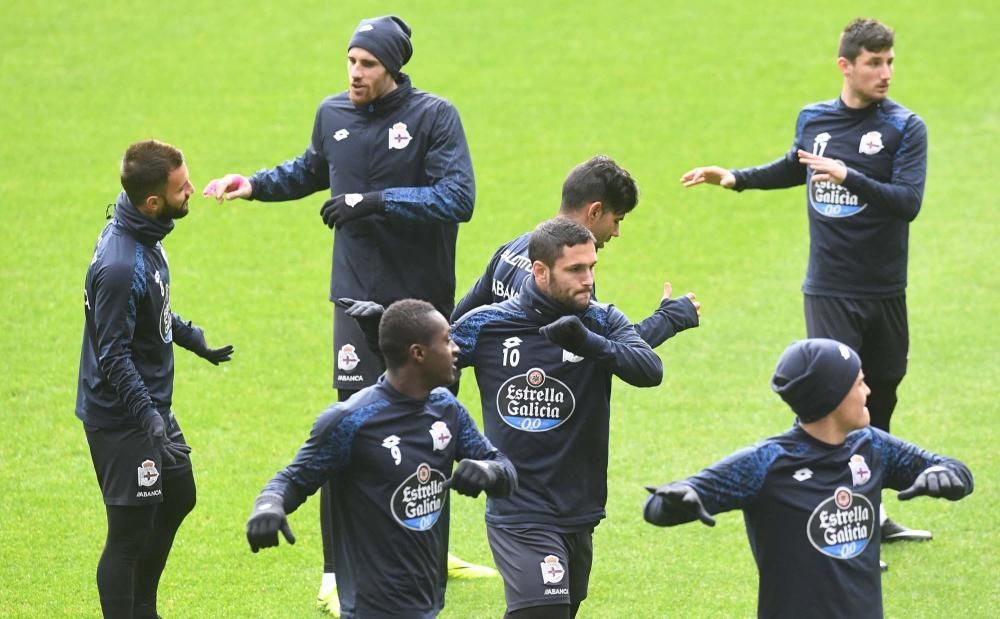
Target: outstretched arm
{"points": [[918, 472], [670, 318], [622, 351]]}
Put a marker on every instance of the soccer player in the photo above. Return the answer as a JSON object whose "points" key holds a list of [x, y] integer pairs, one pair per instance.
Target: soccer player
{"points": [[397, 165], [126, 381], [387, 455], [598, 194], [544, 362], [863, 158], [810, 497]]}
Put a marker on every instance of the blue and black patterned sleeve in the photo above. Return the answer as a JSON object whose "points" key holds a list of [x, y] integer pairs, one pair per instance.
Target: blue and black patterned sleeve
{"points": [[473, 445], [114, 287], [735, 481], [465, 333], [295, 178], [618, 347], [780, 173], [905, 461], [326, 451], [903, 195], [451, 194]]}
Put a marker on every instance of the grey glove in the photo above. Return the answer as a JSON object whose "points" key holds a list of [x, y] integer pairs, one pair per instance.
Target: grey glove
{"points": [[195, 342], [673, 504], [935, 481], [171, 451], [268, 517], [471, 477], [368, 314], [567, 332]]}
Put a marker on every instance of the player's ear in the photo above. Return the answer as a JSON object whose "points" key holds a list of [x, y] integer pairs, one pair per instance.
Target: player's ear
{"points": [[540, 271], [844, 65], [417, 353], [152, 206], [595, 210]]}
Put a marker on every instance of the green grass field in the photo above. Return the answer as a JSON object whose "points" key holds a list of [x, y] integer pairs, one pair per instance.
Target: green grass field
{"points": [[660, 86]]}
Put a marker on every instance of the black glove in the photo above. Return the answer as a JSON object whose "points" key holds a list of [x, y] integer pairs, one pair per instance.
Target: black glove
{"points": [[567, 332], [935, 481], [171, 451], [199, 346], [368, 314], [346, 207], [673, 504], [267, 519], [471, 477]]}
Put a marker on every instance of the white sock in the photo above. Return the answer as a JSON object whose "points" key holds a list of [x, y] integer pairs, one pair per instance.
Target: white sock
{"points": [[882, 516], [329, 580]]}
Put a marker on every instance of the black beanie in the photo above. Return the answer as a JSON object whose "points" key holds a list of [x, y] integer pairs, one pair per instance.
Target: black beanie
{"points": [[813, 376], [387, 38]]}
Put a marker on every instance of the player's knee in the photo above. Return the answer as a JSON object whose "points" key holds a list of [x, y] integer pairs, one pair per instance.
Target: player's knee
{"points": [[128, 529]]}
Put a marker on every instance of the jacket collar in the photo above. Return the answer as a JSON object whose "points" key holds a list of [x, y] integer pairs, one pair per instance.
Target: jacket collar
{"points": [[146, 230], [391, 101], [537, 304]]}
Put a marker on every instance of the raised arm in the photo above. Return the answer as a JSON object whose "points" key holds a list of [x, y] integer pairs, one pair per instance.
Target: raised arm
{"points": [[731, 483], [621, 351], [670, 318], [291, 180]]}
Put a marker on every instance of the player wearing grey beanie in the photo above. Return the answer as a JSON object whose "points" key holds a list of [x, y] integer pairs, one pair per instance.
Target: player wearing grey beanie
{"points": [[387, 38], [811, 496], [813, 376]]}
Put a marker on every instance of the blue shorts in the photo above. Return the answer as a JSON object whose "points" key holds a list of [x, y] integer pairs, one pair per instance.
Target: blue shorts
{"points": [[129, 469], [355, 366], [541, 567]]}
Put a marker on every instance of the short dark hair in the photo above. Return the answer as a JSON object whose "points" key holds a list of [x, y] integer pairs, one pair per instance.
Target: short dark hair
{"points": [[551, 236], [404, 324], [863, 33], [145, 168], [600, 179]]}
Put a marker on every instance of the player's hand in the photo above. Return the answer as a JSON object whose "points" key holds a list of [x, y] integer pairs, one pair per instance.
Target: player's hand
{"points": [[935, 481], [268, 517], [229, 187], [471, 477], [361, 310], [567, 332], [368, 314], [200, 347], [667, 291], [673, 504], [696, 303], [346, 207], [824, 168], [713, 175], [169, 450]]}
